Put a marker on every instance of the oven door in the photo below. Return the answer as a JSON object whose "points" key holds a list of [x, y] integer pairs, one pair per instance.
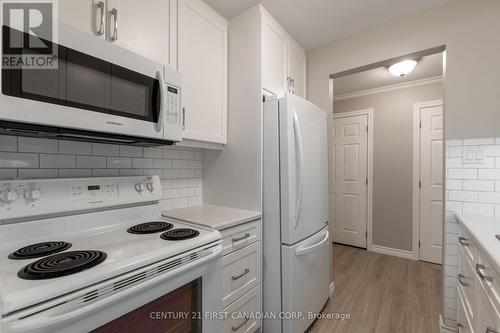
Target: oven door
{"points": [[87, 92], [180, 300]]}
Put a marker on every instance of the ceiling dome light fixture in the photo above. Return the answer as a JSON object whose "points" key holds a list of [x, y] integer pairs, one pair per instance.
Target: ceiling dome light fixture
{"points": [[402, 68]]}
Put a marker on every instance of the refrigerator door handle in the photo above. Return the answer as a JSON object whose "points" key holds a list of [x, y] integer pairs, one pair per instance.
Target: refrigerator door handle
{"points": [[299, 175], [307, 249]]}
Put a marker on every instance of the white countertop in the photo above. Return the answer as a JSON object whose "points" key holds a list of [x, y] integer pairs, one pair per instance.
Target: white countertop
{"points": [[483, 229], [215, 217]]}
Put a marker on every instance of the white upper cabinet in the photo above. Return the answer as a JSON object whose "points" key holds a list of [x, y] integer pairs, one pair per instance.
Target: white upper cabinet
{"points": [[85, 15], [297, 69], [274, 57], [140, 26], [202, 60]]}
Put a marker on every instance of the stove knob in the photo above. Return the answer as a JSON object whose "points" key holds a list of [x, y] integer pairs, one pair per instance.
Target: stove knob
{"points": [[151, 187], [139, 187], [9, 195], [33, 194]]}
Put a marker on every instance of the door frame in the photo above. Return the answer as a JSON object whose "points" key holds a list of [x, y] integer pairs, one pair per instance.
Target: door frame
{"points": [[369, 189], [417, 107]]}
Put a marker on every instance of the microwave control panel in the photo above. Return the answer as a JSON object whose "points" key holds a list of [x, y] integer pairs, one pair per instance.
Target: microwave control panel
{"points": [[173, 104]]}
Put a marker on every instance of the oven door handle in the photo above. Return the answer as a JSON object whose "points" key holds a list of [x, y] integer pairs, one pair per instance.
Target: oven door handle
{"points": [[44, 322], [163, 97]]}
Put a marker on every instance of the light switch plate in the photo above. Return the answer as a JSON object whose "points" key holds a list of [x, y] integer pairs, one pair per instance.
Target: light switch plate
{"points": [[474, 155]]}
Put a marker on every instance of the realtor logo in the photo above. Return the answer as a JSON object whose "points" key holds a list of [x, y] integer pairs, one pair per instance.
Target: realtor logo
{"points": [[29, 31]]}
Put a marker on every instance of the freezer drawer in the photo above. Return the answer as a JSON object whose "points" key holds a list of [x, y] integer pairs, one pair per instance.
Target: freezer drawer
{"points": [[305, 279]]}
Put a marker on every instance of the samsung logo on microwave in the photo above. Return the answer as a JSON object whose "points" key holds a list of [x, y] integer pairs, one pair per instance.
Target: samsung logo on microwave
{"points": [[109, 122]]}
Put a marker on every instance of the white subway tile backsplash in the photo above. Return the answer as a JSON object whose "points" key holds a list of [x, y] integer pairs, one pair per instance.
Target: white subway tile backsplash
{"points": [[102, 149], [179, 168], [92, 162], [75, 147], [37, 145], [489, 197], [451, 143], [57, 161], [476, 185], [130, 151], [454, 184], [491, 174], [75, 173], [38, 173], [462, 173], [119, 163], [8, 143], [18, 160], [493, 150], [454, 162], [497, 186], [479, 208], [477, 142]]}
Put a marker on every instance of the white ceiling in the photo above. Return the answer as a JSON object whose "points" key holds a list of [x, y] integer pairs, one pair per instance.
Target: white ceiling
{"points": [[428, 67], [316, 22]]}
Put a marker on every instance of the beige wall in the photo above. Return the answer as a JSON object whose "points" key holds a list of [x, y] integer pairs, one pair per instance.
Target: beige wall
{"points": [[469, 29], [392, 150]]}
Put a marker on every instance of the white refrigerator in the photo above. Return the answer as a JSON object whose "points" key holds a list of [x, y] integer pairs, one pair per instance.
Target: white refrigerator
{"points": [[295, 213]]}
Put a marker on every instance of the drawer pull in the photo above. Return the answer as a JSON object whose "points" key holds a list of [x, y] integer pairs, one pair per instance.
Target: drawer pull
{"points": [[463, 241], [459, 327], [234, 329], [479, 268], [460, 277], [235, 240], [237, 277], [491, 330]]}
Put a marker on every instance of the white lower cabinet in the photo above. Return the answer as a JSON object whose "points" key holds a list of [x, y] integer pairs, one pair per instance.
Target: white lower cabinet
{"points": [[241, 277], [478, 308]]}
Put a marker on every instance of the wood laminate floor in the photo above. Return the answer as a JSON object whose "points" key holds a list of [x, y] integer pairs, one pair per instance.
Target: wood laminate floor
{"points": [[382, 294]]}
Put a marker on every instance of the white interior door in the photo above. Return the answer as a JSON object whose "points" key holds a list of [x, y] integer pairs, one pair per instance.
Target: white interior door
{"points": [[349, 179], [431, 183]]}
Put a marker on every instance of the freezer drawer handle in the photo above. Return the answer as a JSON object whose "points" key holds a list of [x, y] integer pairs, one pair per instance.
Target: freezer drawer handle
{"points": [[308, 249], [235, 329], [462, 283], [463, 241], [235, 240], [479, 268], [237, 277]]}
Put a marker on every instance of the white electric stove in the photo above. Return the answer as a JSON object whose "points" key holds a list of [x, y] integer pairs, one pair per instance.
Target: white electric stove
{"points": [[80, 255]]}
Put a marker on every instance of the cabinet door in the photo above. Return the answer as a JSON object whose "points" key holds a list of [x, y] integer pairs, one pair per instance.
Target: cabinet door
{"points": [[297, 68], [274, 56], [488, 320], [84, 15], [142, 27], [202, 60]]}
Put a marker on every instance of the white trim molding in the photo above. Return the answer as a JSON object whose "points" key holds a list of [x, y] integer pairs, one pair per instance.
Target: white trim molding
{"points": [[392, 252], [417, 107], [401, 85], [369, 190]]}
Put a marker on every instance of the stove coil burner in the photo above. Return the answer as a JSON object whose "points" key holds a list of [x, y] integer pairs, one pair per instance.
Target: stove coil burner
{"points": [[150, 227], [39, 250], [61, 264], [179, 234]]}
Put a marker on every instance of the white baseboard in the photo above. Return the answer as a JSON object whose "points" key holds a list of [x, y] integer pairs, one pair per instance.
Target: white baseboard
{"points": [[392, 252], [445, 328], [332, 289]]}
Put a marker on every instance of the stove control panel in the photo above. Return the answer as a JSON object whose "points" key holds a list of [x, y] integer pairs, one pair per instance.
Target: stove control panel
{"points": [[27, 198]]}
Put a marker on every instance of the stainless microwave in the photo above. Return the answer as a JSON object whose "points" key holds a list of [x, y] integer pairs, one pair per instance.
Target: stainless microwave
{"points": [[97, 92]]}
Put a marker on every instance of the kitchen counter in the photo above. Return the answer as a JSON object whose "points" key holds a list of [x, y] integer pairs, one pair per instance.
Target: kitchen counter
{"points": [[483, 229], [215, 217]]}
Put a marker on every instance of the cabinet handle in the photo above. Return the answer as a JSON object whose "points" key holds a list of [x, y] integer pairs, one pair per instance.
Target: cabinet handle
{"points": [[241, 238], [100, 27], [459, 327], [463, 284], [234, 329], [237, 277], [183, 118], [293, 86], [114, 12], [463, 241], [289, 83], [491, 330], [479, 268]]}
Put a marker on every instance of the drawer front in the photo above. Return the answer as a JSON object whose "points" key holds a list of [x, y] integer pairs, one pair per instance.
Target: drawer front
{"points": [[240, 272], [463, 322], [466, 244], [238, 237], [488, 320], [241, 314], [466, 282], [489, 279]]}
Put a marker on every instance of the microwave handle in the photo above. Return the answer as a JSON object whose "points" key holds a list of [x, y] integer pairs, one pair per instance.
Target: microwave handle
{"points": [[163, 97]]}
